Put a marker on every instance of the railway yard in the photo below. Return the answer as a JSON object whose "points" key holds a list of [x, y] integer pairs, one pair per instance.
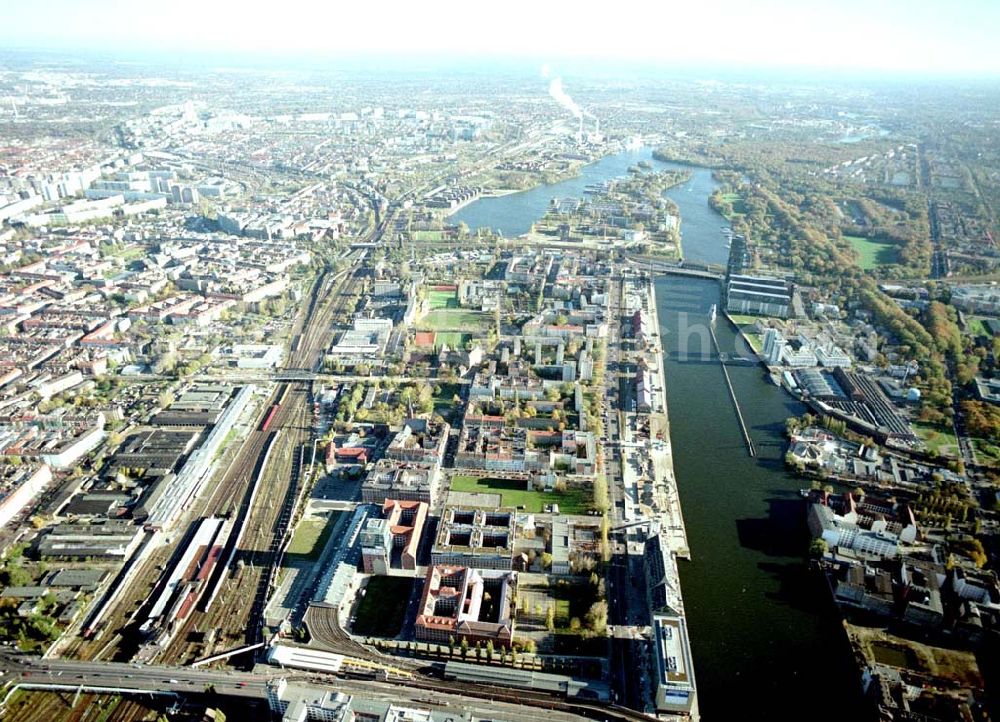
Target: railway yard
{"points": [[257, 489]]}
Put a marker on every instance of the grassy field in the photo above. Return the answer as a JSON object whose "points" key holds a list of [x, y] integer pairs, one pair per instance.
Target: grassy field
{"points": [[941, 441], [977, 327], [132, 254], [755, 340], [428, 235], [456, 320], [439, 300], [310, 537], [454, 339], [733, 199], [741, 320], [872, 254], [513, 493], [380, 613]]}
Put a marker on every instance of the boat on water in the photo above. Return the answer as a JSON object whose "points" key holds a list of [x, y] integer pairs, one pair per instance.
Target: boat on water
{"points": [[712, 314]]}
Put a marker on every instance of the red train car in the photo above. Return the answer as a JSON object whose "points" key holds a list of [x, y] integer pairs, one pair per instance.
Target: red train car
{"points": [[270, 417]]}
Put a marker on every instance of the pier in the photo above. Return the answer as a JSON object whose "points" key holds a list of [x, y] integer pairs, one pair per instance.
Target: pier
{"points": [[732, 393]]}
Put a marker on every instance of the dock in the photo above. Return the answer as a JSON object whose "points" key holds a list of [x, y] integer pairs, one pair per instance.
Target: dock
{"points": [[732, 393]]}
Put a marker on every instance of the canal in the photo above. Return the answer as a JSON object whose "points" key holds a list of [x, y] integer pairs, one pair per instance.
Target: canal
{"points": [[765, 643]]}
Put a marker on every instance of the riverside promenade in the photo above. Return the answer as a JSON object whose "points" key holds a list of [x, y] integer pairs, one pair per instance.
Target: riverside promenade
{"points": [[666, 502]]}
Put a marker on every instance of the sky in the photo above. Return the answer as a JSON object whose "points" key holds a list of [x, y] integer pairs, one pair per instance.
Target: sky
{"points": [[913, 36]]}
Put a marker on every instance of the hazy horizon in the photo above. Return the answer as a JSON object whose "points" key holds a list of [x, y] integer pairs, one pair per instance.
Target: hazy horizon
{"points": [[883, 39]]}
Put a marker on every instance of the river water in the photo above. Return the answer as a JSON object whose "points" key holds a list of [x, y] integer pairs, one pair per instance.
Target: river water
{"points": [[766, 646]]}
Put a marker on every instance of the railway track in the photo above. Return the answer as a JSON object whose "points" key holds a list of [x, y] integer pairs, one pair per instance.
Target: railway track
{"points": [[238, 615], [118, 639]]}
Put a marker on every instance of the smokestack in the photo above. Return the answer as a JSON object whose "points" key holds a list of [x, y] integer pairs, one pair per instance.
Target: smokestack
{"points": [[597, 125], [581, 127]]}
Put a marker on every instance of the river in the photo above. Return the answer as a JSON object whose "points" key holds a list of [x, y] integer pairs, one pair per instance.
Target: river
{"points": [[765, 642]]}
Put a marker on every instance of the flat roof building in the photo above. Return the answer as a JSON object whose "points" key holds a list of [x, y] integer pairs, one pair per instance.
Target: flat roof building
{"points": [[109, 540], [675, 688], [758, 296], [472, 537], [376, 546], [409, 481]]}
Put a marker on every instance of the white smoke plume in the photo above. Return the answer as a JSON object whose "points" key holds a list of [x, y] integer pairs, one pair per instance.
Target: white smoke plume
{"points": [[562, 97]]}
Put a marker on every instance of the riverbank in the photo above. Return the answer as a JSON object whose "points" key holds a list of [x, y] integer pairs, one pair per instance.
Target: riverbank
{"points": [[651, 518], [667, 502], [485, 194]]}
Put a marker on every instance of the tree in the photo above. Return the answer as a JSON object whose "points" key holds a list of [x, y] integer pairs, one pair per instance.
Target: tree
{"points": [[818, 547], [464, 647], [597, 618], [550, 619]]}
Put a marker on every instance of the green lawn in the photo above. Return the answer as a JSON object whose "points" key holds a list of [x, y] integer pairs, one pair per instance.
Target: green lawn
{"points": [[871, 253], [456, 320], [133, 254], [513, 493], [380, 613], [741, 320], [976, 327], [941, 441], [454, 339], [442, 300], [310, 537], [734, 199], [428, 235], [987, 453]]}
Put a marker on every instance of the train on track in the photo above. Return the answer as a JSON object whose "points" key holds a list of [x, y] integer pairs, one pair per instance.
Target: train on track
{"points": [[275, 408]]}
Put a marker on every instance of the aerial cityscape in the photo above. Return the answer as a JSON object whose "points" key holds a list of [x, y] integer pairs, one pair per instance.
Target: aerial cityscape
{"points": [[408, 377]]}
